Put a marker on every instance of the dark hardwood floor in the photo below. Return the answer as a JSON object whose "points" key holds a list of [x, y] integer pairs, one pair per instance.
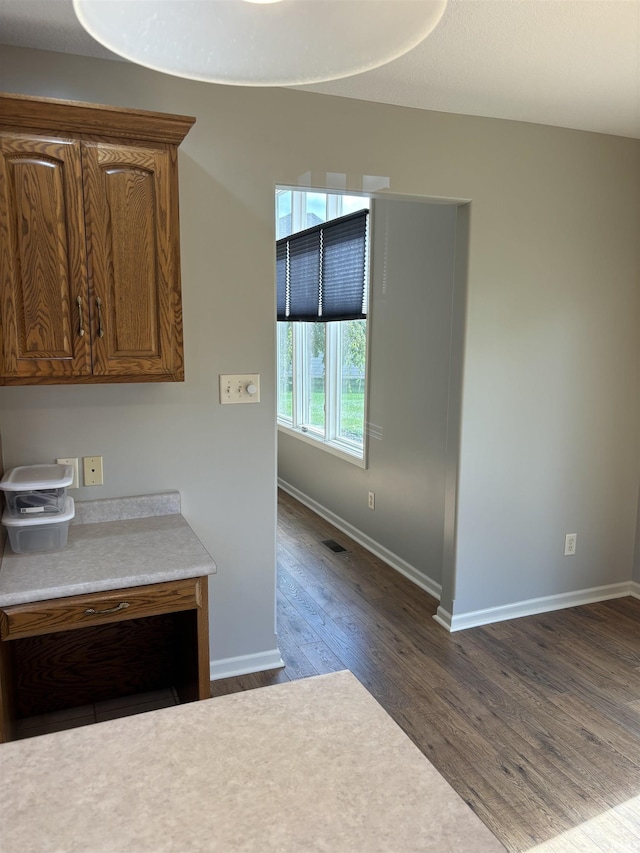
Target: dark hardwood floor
{"points": [[535, 722]]}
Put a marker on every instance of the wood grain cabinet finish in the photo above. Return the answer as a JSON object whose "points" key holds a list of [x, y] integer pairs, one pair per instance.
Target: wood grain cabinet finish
{"points": [[89, 244], [82, 611], [43, 258]]}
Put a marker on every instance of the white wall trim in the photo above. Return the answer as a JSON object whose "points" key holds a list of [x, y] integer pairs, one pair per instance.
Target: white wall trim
{"points": [[443, 617], [393, 560], [245, 664], [534, 606], [321, 444]]}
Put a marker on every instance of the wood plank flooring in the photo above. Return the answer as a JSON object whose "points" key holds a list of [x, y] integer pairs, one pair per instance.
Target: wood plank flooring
{"points": [[535, 722]]}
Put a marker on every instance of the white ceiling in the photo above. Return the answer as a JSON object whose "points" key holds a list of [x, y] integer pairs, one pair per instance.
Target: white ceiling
{"points": [[570, 63]]}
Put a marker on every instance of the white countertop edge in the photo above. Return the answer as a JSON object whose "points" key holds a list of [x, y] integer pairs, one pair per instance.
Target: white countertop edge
{"points": [[108, 585]]}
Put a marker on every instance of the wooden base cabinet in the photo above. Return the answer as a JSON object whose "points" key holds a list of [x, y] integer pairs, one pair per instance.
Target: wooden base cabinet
{"points": [[67, 652], [89, 244]]}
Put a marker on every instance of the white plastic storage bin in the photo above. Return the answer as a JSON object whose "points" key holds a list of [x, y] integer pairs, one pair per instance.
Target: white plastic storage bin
{"points": [[39, 532], [37, 489]]}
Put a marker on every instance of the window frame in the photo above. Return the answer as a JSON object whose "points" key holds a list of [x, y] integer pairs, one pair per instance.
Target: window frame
{"points": [[295, 426]]}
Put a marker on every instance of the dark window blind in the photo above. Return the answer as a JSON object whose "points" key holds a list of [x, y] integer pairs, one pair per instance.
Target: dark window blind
{"points": [[281, 279], [321, 272]]}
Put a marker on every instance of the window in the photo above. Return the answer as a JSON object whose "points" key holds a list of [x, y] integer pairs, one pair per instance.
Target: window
{"points": [[321, 365]]}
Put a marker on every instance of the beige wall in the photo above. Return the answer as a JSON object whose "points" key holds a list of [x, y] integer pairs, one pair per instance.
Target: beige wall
{"points": [[550, 408]]}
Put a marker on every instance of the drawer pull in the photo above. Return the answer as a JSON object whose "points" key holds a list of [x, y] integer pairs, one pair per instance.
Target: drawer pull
{"points": [[79, 304], [92, 612], [100, 326]]}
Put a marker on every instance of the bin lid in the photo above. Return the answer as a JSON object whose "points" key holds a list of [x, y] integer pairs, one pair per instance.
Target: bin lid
{"points": [[34, 520], [28, 477]]}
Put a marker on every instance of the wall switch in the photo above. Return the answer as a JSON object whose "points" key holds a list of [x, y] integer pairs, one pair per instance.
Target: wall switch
{"points": [[239, 387], [570, 541], [372, 500], [93, 470], [73, 461]]}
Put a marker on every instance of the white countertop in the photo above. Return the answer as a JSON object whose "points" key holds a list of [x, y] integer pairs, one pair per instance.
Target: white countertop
{"points": [[112, 544], [306, 766]]}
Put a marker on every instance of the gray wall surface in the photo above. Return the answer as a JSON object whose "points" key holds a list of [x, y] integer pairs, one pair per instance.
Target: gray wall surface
{"points": [[550, 408], [412, 250]]}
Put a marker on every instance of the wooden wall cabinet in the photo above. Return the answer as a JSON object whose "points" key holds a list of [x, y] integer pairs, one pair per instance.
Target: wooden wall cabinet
{"points": [[89, 243]]}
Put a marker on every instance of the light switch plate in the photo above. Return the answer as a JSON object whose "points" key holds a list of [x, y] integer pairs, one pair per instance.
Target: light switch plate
{"points": [[73, 461], [237, 388]]}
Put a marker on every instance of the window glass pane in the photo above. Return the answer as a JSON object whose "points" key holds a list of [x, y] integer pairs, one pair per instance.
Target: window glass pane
{"points": [[316, 209], [351, 203], [283, 213], [353, 349], [313, 381], [285, 370]]}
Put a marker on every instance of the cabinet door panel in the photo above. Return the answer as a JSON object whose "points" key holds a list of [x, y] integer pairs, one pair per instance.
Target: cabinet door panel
{"points": [[133, 263], [42, 259]]}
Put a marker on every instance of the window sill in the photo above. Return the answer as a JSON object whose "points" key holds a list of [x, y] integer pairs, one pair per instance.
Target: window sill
{"points": [[330, 447]]}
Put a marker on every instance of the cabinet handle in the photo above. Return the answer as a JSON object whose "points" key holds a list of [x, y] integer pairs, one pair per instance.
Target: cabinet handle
{"points": [[100, 326], [79, 304], [92, 612]]}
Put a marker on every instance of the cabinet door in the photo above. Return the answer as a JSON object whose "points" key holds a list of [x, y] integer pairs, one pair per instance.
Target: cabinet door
{"points": [[43, 284], [133, 257]]}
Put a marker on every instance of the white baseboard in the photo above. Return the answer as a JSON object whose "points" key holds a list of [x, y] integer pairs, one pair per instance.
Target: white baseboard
{"points": [[245, 664], [534, 606], [444, 618], [427, 584]]}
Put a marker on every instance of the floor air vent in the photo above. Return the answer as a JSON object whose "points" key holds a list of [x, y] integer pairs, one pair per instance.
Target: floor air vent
{"points": [[333, 545]]}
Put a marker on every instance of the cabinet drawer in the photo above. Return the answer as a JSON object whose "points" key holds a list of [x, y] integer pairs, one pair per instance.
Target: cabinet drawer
{"points": [[82, 611]]}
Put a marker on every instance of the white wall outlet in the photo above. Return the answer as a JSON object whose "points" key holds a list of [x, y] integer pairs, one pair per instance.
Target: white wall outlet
{"points": [[93, 470], [73, 461], [239, 388], [570, 541], [372, 500]]}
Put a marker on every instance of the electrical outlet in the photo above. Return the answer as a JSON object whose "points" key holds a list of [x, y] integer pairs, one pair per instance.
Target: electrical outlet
{"points": [[570, 541], [93, 470], [73, 461], [372, 500]]}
